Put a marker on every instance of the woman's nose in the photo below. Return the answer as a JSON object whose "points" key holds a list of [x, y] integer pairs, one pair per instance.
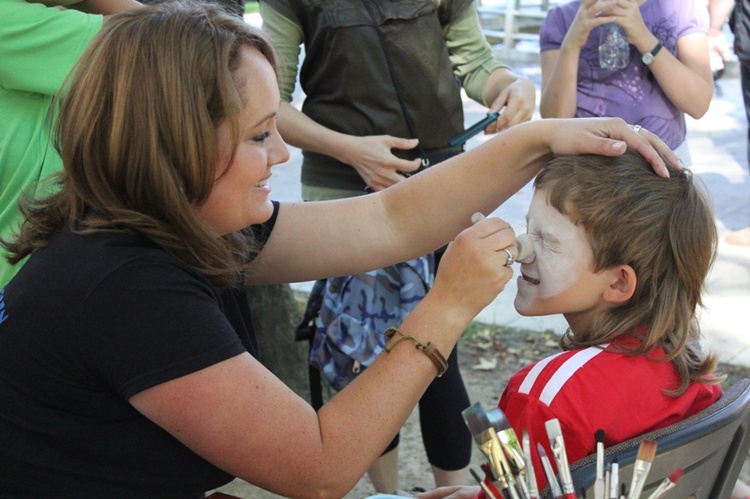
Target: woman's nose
{"points": [[280, 151]]}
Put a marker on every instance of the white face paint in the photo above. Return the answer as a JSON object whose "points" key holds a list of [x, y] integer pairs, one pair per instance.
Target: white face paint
{"points": [[559, 278]]}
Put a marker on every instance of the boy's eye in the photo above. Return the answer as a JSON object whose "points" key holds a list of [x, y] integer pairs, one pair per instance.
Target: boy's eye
{"points": [[546, 243]]}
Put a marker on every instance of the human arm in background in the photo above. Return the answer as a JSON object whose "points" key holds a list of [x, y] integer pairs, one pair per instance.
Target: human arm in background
{"points": [[371, 156], [56, 38], [484, 79], [103, 7], [355, 235], [268, 435], [560, 67], [718, 47], [686, 79]]}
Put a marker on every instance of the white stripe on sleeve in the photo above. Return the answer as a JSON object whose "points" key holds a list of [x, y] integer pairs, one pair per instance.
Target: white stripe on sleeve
{"points": [[566, 371]]}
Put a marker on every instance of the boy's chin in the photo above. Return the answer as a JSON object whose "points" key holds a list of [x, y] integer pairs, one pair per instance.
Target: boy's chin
{"points": [[526, 311]]}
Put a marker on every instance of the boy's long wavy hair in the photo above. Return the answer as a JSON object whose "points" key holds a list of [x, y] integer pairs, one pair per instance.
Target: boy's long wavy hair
{"points": [[664, 229], [136, 130]]}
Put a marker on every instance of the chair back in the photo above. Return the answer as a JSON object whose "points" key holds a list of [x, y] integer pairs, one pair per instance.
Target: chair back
{"points": [[710, 447]]}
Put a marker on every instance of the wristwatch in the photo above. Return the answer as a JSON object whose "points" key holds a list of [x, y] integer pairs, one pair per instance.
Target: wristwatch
{"points": [[648, 57]]}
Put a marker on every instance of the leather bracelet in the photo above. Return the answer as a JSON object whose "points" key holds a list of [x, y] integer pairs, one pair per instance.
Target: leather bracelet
{"points": [[428, 348]]}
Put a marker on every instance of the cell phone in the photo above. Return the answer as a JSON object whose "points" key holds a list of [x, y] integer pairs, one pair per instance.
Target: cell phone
{"points": [[474, 129]]}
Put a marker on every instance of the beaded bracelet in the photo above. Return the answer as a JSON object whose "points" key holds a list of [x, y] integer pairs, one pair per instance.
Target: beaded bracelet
{"points": [[429, 348]]}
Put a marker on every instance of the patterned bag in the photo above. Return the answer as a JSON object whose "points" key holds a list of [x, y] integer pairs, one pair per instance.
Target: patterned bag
{"points": [[357, 310]]}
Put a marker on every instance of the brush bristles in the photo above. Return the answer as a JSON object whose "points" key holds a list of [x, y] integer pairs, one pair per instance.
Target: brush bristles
{"points": [[647, 451], [476, 420], [475, 475], [676, 475], [599, 435], [498, 419]]}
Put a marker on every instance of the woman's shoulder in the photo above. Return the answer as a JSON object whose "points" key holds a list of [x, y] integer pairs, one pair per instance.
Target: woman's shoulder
{"points": [[88, 262]]}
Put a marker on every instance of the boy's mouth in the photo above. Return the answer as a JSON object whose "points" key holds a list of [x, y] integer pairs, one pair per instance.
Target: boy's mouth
{"points": [[528, 279]]}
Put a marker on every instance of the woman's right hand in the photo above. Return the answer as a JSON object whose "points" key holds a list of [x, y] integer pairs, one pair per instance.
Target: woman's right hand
{"points": [[473, 269]]}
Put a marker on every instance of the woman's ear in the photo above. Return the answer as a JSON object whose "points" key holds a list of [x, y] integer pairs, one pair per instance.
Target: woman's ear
{"points": [[622, 285]]}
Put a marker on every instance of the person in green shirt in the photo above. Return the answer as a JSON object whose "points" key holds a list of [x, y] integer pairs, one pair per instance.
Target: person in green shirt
{"points": [[39, 45]]}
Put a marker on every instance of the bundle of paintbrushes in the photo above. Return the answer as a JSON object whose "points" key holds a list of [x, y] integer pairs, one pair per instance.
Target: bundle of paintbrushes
{"points": [[607, 484], [505, 475], [509, 472]]}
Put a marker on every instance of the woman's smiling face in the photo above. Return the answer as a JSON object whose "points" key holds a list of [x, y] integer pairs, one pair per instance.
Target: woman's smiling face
{"points": [[240, 194], [559, 278]]}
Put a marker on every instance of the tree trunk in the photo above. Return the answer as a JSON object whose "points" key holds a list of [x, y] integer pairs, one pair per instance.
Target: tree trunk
{"points": [[275, 317]]}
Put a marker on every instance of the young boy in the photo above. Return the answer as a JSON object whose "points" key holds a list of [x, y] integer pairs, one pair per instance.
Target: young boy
{"points": [[623, 255]]}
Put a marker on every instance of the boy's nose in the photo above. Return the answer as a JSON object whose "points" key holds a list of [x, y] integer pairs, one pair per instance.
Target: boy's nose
{"points": [[525, 247]]}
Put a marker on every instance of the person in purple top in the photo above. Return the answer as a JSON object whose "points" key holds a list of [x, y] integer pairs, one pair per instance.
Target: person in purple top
{"points": [[668, 72]]}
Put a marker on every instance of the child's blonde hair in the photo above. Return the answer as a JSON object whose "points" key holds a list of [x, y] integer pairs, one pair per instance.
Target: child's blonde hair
{"points": [[663, 228]]}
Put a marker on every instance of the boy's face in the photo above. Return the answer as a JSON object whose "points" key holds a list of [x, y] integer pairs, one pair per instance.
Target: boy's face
{"points": [[560, 277]]}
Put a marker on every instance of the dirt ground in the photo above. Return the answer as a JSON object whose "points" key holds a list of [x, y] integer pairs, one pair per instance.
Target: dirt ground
{"points": [[488, 356]]}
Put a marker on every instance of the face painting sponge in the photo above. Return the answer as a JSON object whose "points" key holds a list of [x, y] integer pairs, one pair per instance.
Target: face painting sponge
{"points": [[525, 247], [524, 242]]}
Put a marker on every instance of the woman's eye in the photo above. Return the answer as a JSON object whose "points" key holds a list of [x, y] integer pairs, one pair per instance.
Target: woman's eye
{"points": [[262, 137]]}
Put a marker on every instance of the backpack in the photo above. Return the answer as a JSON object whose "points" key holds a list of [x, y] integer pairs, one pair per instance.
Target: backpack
{"points": [[355, 312]]}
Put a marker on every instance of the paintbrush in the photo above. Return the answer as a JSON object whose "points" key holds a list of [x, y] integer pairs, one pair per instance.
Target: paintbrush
{"points": [[646, 453], [489, 443], [530, 475], [599, 482], [614, 477], [551, 478], [507, 436], [485, 487], [606, 482], [476, 420], [511, 447], [499, 485], [558, 448], [666, 484], [512, 484]]}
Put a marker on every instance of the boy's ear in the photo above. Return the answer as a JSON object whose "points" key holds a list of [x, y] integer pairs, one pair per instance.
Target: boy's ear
{"points": [[622, 285]]}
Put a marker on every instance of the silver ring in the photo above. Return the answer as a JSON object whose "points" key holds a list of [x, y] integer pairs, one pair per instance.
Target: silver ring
{"points": [[637, 128], [511, 260]]}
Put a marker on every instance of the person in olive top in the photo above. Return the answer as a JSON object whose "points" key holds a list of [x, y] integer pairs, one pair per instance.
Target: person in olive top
{"points": [[382, 83]]}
